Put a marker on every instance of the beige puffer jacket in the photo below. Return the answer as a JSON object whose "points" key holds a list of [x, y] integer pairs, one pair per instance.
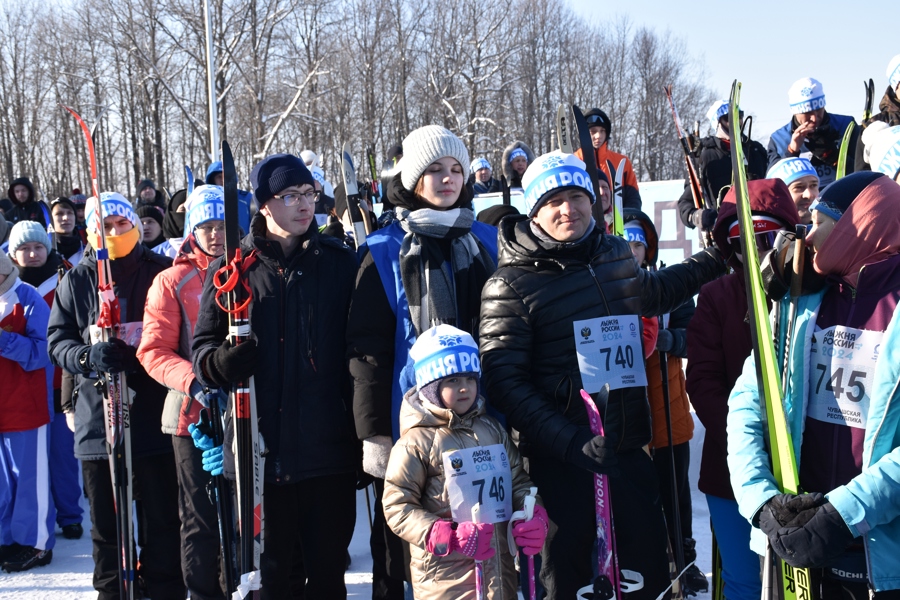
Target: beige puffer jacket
{"points": [[415, 498]]}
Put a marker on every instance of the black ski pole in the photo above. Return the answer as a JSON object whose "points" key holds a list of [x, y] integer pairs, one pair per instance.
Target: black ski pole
{"points": [[676, 516]]}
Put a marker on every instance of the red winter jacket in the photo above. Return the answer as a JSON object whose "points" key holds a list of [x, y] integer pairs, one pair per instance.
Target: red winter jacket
{"points": [[169, 318]]}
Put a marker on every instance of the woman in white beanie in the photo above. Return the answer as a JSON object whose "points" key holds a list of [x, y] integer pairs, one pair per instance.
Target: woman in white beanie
{"points": [[426, 268]]}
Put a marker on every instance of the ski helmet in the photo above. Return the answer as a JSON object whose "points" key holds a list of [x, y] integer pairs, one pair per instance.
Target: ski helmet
{"points": [[597, 118]]}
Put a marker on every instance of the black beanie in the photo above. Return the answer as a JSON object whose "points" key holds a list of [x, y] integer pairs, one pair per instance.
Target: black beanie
{"points": [[150, 211], [278, 172], [838, 195], [173, 221]]}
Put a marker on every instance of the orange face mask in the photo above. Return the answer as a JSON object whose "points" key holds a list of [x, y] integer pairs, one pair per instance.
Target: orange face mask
{"points": [[118, 245]]}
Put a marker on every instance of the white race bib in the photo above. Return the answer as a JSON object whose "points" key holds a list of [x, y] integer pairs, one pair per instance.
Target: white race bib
{"points": [[610, 352], [842, 371], [479, 476]]}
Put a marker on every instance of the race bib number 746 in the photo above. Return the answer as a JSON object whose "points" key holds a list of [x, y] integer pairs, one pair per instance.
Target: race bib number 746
{"points": [[479, 476]]}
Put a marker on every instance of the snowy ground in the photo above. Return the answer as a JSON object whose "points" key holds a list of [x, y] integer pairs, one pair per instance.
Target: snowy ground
{"points": [[69, 575]]}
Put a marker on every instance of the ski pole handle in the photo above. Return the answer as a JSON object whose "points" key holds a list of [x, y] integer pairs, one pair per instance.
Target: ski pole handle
{"points": [[479, 566]]}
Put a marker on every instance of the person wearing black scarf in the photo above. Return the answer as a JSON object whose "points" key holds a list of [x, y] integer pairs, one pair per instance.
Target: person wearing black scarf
{"points": [[425, 268]]}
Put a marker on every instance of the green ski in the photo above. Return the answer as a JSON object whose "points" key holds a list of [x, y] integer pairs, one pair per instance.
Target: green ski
{"points": [[795, 583], [842, 153]]}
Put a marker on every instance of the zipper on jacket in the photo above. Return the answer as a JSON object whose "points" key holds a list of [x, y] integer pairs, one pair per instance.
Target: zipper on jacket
{"points": [[599, 289], [309, 339]]}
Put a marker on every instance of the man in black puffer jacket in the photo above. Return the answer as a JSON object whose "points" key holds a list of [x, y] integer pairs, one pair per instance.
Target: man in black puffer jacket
{"points": [[300, 284], [556, 267], [73, 316]]}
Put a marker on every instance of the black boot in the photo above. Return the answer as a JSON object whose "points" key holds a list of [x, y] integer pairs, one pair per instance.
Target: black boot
{"points": [[694, 580]]}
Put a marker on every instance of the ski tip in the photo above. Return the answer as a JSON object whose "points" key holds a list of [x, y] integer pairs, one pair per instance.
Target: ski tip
{"points": [[585, 396]]}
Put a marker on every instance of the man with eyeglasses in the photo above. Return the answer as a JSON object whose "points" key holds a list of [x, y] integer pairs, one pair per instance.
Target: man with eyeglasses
{"points": [[608, 161], [300, 284]]}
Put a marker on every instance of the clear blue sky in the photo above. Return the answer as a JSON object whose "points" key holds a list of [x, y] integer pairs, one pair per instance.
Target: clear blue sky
{"points": [[772, 44]]}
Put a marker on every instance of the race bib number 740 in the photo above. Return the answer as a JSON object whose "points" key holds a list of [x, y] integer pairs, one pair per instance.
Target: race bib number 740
{"points": [[609, 351]]}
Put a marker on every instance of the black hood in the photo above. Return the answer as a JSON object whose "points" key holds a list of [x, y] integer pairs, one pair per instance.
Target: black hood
{"points": [[21, 181]]}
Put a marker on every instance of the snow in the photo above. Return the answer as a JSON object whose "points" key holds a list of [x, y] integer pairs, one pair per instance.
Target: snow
{"points": [[68, 576]]}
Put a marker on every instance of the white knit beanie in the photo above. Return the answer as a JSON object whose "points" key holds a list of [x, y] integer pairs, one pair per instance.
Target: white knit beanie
{"points": [[426, 145], [806, 95]]}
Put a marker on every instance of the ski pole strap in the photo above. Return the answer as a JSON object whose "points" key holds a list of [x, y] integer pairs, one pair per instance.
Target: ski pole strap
{"points": [[226, 279]]}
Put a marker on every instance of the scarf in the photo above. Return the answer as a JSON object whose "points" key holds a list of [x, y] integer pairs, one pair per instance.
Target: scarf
{"points": [[435, 295]]}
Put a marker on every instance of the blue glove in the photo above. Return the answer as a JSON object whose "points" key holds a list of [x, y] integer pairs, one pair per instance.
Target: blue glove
{"points": [[201, 440], [213, 461], [205, 395]]}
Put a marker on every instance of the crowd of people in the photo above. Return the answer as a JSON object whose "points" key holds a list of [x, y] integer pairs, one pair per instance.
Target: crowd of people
{"points": [[447, 346]]}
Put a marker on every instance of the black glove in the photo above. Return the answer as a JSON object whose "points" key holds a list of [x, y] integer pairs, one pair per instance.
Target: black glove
{"points": [[823, 143], [114, 356], [806, 530], [665, 340], [704, 218], [595, 453], [229, 364], [778, 268]]}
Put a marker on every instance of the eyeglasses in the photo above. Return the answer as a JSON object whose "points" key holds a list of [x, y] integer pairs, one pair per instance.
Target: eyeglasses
{"points": [[209, 229], [294, 198]]}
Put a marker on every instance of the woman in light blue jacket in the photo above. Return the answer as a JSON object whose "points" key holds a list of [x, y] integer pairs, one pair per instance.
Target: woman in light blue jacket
{"points": [[842, 404]]}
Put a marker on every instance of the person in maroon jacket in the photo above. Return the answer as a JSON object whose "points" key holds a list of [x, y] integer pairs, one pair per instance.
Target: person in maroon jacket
{"points": [[719, 341]]}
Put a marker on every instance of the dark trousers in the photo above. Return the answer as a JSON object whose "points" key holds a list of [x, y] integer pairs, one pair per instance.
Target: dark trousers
{"points": [[568, 495], [320, 513], [662, 460], [155, 491], [389, 569], [200, 544]]}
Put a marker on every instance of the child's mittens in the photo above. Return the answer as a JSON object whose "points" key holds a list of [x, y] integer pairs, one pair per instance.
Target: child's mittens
{"points": [[467, 538], [530, 535], [474, 540]]}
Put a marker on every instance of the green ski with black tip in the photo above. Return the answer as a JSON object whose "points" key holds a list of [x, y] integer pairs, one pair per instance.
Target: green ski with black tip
{"points": [[795, 583]]}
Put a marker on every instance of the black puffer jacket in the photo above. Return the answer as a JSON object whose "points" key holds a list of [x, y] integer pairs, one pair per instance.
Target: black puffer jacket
{"points": [[299, 317], [529, 365], [30, 210], [714, 166], [74, 311], [890, 114]]}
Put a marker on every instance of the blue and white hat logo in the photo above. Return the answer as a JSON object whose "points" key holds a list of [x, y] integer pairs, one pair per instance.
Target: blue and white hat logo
{"points": [[478, 164], [718, 110], [635, 233], [806, 95], [442, 351], [113, 204], [206, 203], [791, 169], [554, 171]]}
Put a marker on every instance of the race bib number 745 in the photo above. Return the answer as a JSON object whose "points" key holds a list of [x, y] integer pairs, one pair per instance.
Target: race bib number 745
{"points": [[842, 371]]}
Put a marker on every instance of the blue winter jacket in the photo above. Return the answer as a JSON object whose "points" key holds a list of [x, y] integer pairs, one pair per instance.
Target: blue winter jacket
{"points": [[781, 138], [384, 245], [868, 503]]}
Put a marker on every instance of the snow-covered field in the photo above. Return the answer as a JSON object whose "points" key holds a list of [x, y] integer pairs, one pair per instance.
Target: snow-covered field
{"points": [[68, 577]]}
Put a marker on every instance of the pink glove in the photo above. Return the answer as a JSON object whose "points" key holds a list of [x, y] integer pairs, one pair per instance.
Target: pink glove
{"points": [[530, 535], [467, 538]]}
